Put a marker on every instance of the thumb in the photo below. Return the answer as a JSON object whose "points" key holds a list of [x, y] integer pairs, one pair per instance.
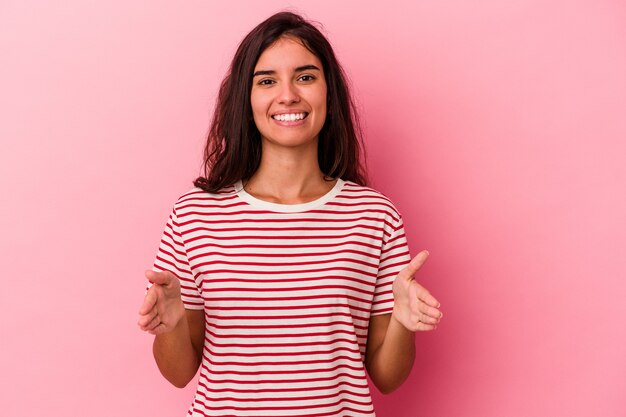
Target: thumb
{"points": [[159, 277], [416, 263]]}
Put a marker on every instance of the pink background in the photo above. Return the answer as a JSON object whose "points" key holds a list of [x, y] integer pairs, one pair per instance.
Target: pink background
{"points": [[498, 129]]}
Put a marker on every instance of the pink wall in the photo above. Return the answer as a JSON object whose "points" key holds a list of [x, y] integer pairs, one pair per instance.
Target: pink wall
{"points": [[498, 128]]}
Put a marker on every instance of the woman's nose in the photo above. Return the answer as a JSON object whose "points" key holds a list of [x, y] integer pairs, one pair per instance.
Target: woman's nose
{"points": [[288, 94]]}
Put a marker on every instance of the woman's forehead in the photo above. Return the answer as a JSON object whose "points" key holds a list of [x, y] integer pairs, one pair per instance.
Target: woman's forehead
{"points": [[287, 53]]}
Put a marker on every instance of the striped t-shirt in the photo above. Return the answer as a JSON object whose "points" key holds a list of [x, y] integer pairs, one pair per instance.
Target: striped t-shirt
{"points": [[287, 292]]}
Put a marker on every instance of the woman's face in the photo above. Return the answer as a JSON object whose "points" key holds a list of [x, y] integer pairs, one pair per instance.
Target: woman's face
{"points": [[288, 94]]}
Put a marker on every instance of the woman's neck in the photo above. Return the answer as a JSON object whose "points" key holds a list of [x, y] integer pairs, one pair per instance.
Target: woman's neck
{"points": [[288, 176]]}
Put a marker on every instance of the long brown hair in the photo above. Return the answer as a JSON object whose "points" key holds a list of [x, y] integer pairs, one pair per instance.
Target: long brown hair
{"points": [[233, 148]]}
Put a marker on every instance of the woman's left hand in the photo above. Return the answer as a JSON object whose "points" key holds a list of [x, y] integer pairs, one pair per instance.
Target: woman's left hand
{"points": [[414, 307]]}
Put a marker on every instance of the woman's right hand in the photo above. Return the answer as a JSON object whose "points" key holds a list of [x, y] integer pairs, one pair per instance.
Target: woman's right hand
{"points": [[162, 308]]}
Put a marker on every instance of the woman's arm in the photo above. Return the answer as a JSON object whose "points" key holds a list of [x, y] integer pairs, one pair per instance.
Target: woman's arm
{"points": [[390, 350], [179, 333], [178, 353]]}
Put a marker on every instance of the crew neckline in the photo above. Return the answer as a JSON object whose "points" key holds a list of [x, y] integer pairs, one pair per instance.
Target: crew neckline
{"points": [[288, 208]]}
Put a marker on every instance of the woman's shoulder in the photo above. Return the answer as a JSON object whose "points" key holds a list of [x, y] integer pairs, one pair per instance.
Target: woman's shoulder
{"points": [[197, 196], [368, 194], [366, 191]]}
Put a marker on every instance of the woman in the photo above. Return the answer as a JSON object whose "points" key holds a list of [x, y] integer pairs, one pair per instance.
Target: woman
{"points": [[281, 275]]}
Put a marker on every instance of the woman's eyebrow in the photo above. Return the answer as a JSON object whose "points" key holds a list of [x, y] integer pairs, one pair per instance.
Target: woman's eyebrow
{"points": [[306, 68], [298, 69]]}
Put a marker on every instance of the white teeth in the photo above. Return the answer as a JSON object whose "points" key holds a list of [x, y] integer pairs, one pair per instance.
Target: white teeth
{"points": [[291, 117]]}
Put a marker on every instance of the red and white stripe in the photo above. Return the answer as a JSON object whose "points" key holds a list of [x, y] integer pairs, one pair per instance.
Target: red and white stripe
{"points": [[287, 292]]}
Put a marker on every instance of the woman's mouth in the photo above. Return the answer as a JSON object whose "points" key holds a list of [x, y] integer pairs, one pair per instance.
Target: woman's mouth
{"points": [[290, 117]]}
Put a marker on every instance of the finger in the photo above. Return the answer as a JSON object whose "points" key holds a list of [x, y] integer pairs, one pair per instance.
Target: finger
{"points": [[158, 329], [159, 277], [149, 324], [429, 311], [423, 318], [147, 318], [426, 297], [416, 263], [148, 302], [156, 321], [424, 327]]}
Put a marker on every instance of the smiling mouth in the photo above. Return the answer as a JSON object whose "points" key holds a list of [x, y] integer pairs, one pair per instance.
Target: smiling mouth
{"points": [[290, 117]]}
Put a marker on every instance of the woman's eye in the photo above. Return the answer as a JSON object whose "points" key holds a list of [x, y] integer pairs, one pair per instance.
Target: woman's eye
{"points": [[266, 82], [307, 78]]}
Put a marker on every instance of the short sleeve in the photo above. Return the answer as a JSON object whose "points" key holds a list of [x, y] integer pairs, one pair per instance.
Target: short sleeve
{"points": [[394, 256], [172, 257]]}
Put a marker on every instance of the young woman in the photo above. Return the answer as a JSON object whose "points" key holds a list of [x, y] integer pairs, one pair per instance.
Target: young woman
{"points": [[281, 275]]}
